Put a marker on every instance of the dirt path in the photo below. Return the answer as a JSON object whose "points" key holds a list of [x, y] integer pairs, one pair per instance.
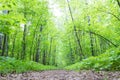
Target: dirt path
{"points": [[63, 75]]}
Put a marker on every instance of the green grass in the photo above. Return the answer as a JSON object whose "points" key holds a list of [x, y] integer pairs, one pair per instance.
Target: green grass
{"points": [[110, 61], [9, 65]]}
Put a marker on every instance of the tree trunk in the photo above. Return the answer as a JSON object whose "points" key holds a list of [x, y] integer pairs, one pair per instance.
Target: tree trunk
{"points": [[54, 57], [13, 46], [7, 45], [49, 54], [34, 34], [91, 44], [76, 34], [24, 43], [38, 46], [4, 43], [1, 41], [44, 57]]}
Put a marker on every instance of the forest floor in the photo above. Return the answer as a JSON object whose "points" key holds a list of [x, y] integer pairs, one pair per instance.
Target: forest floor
{"points": [[63, 75]]}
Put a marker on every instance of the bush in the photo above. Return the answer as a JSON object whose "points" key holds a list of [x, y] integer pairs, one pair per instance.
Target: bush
{"points": [[10, 65], [110, 60]]}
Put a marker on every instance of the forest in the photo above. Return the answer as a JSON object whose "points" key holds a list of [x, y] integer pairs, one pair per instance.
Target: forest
{"points": [[59, 36]]}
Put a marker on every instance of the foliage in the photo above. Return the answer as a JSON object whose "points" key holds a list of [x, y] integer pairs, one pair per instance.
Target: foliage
{"points": [[106, 61], [31, 31], [91, 28], [11, 65]]}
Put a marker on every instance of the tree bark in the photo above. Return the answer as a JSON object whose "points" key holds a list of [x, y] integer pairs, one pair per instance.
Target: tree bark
{"points": [[91, 44], [49, 54], [38, 45], [24, 43], [1, 41], [13, 46], [4, 43], [7, 45], [44, 57]]}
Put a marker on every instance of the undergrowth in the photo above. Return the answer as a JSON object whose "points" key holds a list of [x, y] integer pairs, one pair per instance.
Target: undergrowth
{"points": [[11, 65], [109, 61]]}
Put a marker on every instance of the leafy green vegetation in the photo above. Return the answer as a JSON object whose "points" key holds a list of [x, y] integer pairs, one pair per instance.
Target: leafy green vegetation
{"points": [[107, 61], [11, 65], [82, 33]]}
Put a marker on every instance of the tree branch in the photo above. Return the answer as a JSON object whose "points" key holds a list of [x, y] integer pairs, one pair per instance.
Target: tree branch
{"points": [[118, 3], [74, 26], [104, 38], [114, 16], [101, 37], [111, 14]]}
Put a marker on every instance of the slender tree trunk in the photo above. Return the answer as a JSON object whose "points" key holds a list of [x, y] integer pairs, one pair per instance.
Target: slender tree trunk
{"points": [[13, 46], [24, 43], [7, 45], [4, 43], [33, 55], [1, 41], [91, 44], [54, 57], [38, 51], [96, 46], [31, 48], [76, 34], [23, 56], [91, 37], [34, 34], [49, 54], [38, 45], [101, 45], [18, 53], [44, 57]]}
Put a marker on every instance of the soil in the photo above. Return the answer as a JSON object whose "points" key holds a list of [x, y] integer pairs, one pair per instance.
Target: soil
{"points": [[63, 75]]}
